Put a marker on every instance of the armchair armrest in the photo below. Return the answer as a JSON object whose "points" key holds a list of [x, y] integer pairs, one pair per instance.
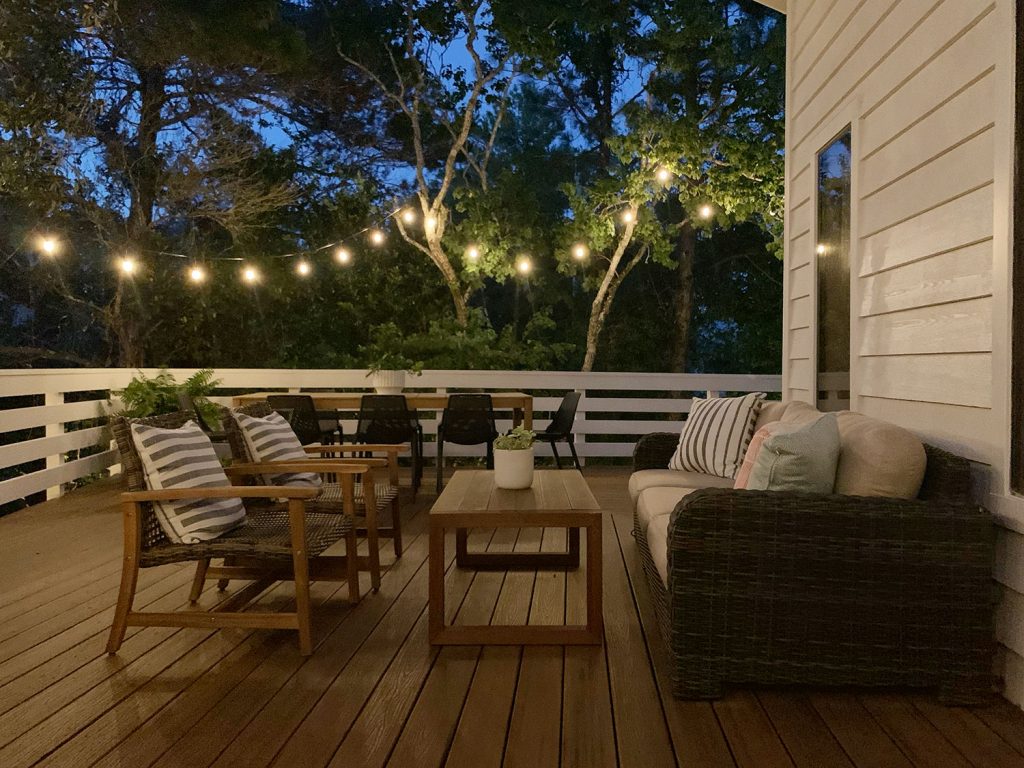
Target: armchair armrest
{"points": [[654, 451], [391, 449], [321, 466], [222, 492]]}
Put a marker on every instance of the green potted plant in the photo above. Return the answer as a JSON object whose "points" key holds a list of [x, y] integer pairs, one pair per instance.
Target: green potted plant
{"points": [[513, 458], [144, 396], [386, 360]]}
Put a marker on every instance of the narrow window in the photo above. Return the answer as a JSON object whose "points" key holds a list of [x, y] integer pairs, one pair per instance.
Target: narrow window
{"points": [[832, 251], [1017, 284]]}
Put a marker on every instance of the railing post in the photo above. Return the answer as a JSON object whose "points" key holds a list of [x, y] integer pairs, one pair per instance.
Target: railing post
{"points": [[52, 430]]}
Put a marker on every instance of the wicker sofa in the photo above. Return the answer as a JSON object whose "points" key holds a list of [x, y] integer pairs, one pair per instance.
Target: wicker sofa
{"points": [[787, 588]]}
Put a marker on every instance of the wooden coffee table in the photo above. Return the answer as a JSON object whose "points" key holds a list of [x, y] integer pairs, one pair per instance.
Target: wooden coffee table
{"points": [[557, 499]]}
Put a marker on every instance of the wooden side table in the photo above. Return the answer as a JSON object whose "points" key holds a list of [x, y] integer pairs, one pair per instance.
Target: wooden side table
{"points": [[557, 499]]}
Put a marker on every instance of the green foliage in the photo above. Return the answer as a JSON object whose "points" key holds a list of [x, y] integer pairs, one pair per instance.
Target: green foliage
{"points": [[516, 439], [385, 352], [146, 396]]}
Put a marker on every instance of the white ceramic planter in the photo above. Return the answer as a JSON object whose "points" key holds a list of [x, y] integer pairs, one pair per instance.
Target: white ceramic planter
{"points": [[388, 382], [513, 469]]}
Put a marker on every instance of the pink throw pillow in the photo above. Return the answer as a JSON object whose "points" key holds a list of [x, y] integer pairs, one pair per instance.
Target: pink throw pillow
{"points": [[750, 458]]}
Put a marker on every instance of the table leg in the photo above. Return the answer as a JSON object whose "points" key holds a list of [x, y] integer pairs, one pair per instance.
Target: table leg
{"points": [[461, 546], [517, 417], [435, 617]]}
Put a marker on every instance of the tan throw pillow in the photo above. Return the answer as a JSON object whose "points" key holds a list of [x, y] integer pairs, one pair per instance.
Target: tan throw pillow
{"points": [[800, 459], [716, 434], [878, 458]]}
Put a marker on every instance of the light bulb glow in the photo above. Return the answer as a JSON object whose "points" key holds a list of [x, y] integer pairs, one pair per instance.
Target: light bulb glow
{"points": [[663, 174], [628, 216], [430, 223], [304, 268], [127, 266], [408, 215], [706, 211], [821, 249], [580, 251], [524, 266], [49, 245], [377, 237], [196, 274], [472, 253], [343, 255], [250, 275]]}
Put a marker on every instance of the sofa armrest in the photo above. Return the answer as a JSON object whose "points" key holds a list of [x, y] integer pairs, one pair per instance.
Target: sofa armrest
{"points": [[654, 451]]}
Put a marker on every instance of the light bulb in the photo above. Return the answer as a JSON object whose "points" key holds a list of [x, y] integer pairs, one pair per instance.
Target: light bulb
{"points": [[706, 211], [343, 255], [196, 274], [820, 250], [524, 265], [127, 266], [49, 245], [580, 251], [430, 223], [628, 216], [304, 268], [250, 275], [377, 237], [408, 215], [472, 253], [663, 174]]}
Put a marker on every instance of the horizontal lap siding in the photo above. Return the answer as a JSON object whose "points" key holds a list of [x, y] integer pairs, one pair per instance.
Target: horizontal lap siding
{"points": [[919, 81]]}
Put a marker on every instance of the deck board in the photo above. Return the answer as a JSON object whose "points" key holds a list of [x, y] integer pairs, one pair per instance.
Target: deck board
{"points": [[375, 694]]}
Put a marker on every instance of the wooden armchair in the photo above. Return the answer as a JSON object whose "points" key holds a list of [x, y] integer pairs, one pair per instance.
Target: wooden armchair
{"points": [[278, 542], [371, 497]]}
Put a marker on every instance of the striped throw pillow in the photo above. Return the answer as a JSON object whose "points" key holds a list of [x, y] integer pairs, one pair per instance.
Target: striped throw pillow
{"points": [[184, 458], [716, 434], [272, 439]]}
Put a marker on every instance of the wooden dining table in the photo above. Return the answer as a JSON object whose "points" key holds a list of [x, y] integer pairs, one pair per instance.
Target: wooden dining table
{"points": [[520, 403]]}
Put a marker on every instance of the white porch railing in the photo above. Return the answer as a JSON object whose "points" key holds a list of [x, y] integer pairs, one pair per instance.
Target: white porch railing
{"points": [[54, 418]]}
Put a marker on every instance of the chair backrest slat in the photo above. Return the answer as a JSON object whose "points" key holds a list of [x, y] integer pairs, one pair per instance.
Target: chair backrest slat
{"points": [[562, 423], [469, 419], [385, 419]]}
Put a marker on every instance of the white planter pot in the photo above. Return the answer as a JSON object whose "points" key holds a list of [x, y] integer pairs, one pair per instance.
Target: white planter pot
{"points": [[388, 382], [513, 469]]}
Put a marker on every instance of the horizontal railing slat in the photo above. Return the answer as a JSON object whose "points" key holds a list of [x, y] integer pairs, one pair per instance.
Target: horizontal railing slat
{"points": [[30, 450], [41, 415], [26, 485]]}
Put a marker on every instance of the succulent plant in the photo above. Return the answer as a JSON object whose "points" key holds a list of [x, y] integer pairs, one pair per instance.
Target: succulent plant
{"points": [[516, 439]]}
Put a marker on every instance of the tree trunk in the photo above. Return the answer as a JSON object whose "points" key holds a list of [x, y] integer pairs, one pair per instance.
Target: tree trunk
{"points": [[594, 328], [686, 246], [451, 279]]}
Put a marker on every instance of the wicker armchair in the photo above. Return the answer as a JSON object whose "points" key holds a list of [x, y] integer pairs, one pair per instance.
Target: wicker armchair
{"points": [[372, 497], [277, 542], [778, 588]]}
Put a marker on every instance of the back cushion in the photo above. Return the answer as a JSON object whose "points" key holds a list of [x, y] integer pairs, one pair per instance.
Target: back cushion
{"points": [[272, 439], [800, 413], [716, 434], [878, 458], [184, 458], [771, 411]]}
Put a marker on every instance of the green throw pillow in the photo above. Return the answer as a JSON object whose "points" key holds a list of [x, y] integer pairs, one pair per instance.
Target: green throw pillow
{"points": [[800, 459]]}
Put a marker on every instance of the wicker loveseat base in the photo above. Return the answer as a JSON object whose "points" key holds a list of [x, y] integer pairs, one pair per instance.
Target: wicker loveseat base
{"points": [[781, 588]]}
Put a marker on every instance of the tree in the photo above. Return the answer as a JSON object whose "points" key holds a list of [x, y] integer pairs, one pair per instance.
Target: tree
{"points": [[441, 103]]}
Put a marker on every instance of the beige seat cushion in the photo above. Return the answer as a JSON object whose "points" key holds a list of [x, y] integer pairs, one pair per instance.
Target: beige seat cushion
{"points": [[658, 501], [878, 458], [657, 540], [673, 478]]}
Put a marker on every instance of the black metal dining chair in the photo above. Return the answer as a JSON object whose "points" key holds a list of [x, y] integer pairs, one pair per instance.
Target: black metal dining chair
{"points": [[388, 419], [467, 420], [309, 424], [560, 428]]}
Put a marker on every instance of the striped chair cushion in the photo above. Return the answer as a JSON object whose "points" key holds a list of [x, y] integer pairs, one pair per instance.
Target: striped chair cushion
{"points": [[716, 434], [271, 438], [184, 458]]}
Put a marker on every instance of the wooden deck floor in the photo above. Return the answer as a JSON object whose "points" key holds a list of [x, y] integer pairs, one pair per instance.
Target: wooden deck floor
{"points": [[376, 694]]}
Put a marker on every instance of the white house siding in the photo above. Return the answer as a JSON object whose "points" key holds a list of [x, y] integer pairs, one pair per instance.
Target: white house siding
{"points": [[927, 87]]}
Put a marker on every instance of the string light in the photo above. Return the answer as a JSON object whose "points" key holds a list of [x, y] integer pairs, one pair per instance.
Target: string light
{"points": [[408, 215], [127, 266], [196, 274], [580, 251], [343, 255], [430, 223], [48, 245], [706, 211], [250, 275], [472, 253], [820, 250], [304, 268], [524, 266], [663, 174], [377, 237], [628, 216]]}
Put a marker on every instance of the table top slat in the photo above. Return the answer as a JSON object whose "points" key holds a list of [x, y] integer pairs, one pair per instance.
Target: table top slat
{"points": [[554, 492]]}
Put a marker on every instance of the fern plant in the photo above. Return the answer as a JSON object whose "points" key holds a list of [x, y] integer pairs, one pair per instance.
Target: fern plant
{"points": [[146, 396]]}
